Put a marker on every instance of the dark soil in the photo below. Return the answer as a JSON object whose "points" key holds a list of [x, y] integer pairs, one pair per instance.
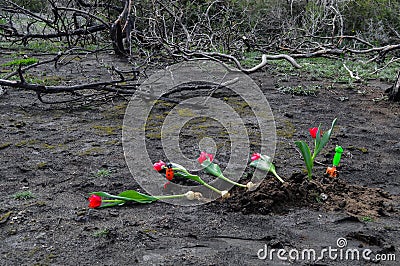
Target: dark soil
{"points": [[54, 151]]}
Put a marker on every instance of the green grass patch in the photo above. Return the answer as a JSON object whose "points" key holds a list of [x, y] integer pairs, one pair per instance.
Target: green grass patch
{"points": [[21, 62], [101, 233], [41, 165], [5, 145], [300, 90], [367, 219], [26, 142], [23, 195], [102, 173], [251, 59], [45, 46], [41, 80], [94, 151], [333, 69], [107, 130]]}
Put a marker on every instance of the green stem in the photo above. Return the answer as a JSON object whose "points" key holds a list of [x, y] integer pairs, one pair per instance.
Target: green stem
{"points": [[201, 181], [231, 181], [170, 196], [276, 175], [113, 201], [212, 188]]}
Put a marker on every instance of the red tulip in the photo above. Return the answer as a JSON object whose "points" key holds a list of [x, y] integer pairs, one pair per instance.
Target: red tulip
{"points": [[204, 156], [94, 201], [255, 156], [313, 132], [158, 166]]}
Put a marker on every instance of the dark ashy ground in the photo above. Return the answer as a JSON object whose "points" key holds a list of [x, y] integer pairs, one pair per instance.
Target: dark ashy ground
{"points": [[55, 151]]}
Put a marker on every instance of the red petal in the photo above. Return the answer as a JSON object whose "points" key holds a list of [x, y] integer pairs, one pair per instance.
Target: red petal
{"points": [[255, 156], [158, 166], [94, 201], [204, 156], [313, 132]]}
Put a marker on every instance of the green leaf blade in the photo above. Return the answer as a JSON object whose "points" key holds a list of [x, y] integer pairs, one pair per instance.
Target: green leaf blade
{"points": [[325, 139], [261, 164], [189, 176], [305, 152], [212, 168], [133, 195], [317, 141]]}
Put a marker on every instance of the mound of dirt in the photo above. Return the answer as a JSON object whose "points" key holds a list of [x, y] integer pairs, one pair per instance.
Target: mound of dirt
{"points": [[324, 193]]}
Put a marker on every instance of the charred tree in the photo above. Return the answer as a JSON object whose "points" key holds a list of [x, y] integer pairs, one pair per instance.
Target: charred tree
{"points": [[394, 92]]}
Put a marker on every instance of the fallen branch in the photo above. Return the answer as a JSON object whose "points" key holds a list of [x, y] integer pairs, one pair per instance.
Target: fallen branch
{"points": [[55, 89], [111, 87], [264, 60], [351, 73]]}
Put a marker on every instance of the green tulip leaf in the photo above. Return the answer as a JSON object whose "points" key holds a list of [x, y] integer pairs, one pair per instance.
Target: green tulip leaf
{"points": [[189, 176], [133, 195], [175, 165], [128, 195], [324, 140], [305, 152], [103, 194], [106, 205], [265, 164], [261, 164], [212, 168], [317, 141]]}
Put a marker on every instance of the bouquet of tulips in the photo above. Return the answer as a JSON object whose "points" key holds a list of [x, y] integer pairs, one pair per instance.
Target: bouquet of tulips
{"points": [[171, 170]]}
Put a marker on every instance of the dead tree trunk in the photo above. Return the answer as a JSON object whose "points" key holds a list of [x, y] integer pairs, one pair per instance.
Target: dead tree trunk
{"points": [[121, 26], [394, 92], [116, 38]]}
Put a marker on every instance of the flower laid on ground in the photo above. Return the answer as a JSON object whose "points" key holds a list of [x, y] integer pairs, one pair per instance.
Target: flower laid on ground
{"points": [[158, 166], [180, 171], [264, 162], [205, 160], [320, 140], [94, 201], [103, 199], [259, 161], [255, 156], [205, 156]]}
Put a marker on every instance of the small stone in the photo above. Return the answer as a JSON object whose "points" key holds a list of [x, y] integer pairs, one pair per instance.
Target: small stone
{"points": [[323, 196]]}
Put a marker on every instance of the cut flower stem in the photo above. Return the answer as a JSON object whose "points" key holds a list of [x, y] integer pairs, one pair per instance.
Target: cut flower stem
{"points": [[231, 181], [184, 173]]}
